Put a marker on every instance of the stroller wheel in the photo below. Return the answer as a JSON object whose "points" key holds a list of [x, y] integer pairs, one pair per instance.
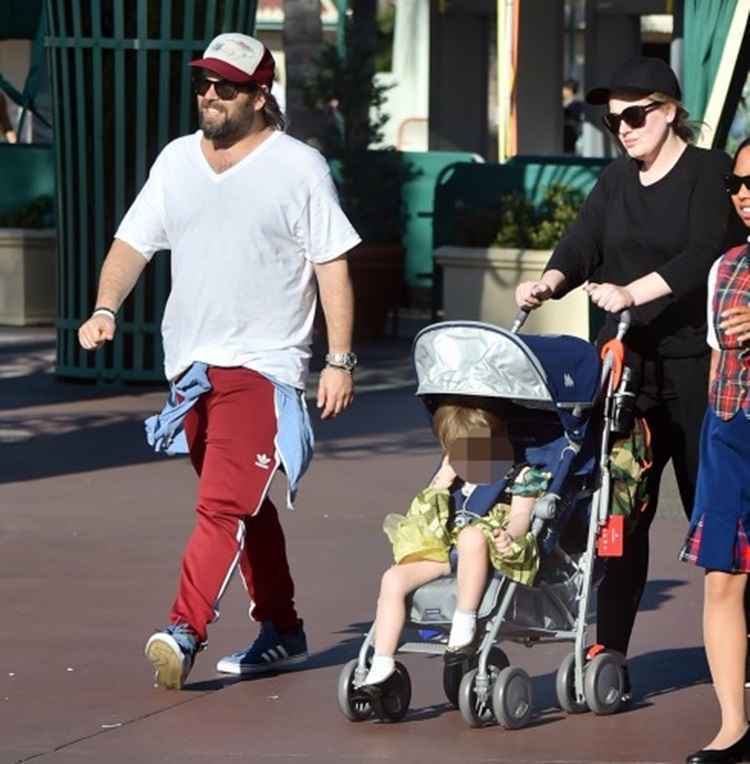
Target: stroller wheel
{"points": [[603, 683], [355, 706], [512, 698], [453, 673], [393, 702], [476, 707], [565, 685]]}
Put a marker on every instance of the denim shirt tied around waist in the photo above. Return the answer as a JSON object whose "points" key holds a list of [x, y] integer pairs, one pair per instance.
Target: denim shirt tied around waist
{"points": [[294, 441]]}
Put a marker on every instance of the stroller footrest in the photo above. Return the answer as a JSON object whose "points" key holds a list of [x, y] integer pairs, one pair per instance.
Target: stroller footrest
{"points": [[430, 648]]}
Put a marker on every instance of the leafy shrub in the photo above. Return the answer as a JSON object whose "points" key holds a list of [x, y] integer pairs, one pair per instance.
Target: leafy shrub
{"points": [[557, 211], [514, 222]]}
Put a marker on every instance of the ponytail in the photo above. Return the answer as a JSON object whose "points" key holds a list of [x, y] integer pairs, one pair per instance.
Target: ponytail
{"points": [[272, 113]]}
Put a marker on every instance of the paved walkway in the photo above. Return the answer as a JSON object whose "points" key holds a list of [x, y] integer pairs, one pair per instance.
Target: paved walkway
{"points": [[91, 528]]}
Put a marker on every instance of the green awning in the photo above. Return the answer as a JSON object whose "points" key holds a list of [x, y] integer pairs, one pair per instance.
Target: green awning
{"points": [[706, 28]]}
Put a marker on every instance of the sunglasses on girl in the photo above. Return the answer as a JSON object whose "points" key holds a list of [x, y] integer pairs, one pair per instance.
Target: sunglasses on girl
{"points": [[734, 183], [224, 89], [633, 116]]}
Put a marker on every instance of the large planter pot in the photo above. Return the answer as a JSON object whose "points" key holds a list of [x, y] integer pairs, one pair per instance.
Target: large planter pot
{"points": [[479, 285], [377, 272], [27, 276]]}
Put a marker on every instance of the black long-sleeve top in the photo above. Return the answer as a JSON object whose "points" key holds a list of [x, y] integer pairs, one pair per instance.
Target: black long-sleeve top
{"points": [[675, 227]]}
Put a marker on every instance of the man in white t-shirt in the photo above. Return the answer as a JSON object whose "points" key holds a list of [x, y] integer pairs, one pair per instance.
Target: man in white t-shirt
{"points": [[252, 220]]}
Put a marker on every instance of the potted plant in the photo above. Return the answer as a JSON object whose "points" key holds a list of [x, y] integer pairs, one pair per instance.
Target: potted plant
{"points": [[498, 246], [370, 182], [28, 264]]}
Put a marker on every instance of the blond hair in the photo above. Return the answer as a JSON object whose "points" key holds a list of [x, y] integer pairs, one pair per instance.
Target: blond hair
{"points": [[452, 421], [681, 125]]}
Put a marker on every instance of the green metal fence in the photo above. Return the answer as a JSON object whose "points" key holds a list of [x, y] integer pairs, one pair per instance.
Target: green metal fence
{"points": [[121, 91]]}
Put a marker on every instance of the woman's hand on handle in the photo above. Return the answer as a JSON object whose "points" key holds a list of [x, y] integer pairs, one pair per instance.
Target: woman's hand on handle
{"points": [[609, 297], [531, 294]]}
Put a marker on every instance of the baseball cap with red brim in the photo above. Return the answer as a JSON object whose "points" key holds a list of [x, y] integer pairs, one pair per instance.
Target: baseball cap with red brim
{"points": [[238, 58]]}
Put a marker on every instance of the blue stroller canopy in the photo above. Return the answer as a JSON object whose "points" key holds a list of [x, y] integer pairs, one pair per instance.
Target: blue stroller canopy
{"points": [[559, 373]]}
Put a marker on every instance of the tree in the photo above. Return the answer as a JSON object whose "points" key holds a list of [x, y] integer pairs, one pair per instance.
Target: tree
{"points": [[302, 40]]}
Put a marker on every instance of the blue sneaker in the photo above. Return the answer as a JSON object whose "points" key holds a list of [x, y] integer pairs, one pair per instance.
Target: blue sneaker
{"points": [[172, 653], [271, 651]]}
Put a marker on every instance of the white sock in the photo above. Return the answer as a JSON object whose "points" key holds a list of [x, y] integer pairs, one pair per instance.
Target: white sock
{"points": [[382, 667], [463, 628]]}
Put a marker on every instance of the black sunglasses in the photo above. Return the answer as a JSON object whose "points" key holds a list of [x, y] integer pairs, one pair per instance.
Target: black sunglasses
{"points": [[633, 116], [224, 89], [733, 183]]}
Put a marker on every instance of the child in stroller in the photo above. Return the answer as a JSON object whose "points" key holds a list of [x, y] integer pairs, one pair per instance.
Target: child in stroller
{"points": [[526, 421], [473, 435]]}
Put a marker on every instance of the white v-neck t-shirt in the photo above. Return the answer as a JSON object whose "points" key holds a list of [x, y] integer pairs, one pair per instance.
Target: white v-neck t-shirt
{"points": [[243, 243]]}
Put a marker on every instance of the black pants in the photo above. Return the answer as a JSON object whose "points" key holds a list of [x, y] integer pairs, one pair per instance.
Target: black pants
{"points": [[673, 400]]}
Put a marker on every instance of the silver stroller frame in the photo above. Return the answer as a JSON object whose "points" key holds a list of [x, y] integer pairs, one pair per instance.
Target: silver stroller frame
{"points": [[496, 692]]}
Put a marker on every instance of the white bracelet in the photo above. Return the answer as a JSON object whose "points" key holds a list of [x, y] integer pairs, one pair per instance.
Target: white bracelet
{"points": [[105, 312]]}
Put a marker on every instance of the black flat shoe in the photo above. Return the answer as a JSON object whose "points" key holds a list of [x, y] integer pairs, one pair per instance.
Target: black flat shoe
{"points": [[462, 655], [374, 692], [454, 656], [739, 751]]}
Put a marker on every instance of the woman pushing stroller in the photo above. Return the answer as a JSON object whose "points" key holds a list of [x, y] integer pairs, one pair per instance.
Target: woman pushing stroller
{"points": [[473, 435]]}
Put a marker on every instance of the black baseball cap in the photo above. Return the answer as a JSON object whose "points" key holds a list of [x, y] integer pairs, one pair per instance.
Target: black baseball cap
{"points": [[639, 75]]}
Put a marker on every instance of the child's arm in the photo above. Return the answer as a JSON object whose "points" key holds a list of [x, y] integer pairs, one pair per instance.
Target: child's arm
{"points": [[445, 476], [519, 523]]}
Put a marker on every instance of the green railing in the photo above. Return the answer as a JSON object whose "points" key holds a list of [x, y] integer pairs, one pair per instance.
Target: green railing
{"points": [[121, 91]]}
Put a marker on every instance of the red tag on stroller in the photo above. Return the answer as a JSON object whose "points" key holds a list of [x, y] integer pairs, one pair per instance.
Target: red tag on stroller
{"points": [[611, 537]]}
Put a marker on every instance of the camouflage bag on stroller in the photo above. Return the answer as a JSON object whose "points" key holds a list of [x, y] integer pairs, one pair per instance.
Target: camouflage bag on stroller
{"points": [[630, 461]]}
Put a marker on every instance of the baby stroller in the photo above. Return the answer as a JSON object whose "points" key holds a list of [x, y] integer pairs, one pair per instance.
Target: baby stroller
{"points": [[566, 402]]}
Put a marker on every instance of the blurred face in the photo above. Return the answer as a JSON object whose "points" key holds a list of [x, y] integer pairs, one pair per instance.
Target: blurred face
{"points": [[482, 456], [227, 118], [640, 140], [741, 199]]}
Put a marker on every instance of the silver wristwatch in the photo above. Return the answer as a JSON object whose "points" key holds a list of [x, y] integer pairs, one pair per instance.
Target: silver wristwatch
{"points": [[346, 361]]}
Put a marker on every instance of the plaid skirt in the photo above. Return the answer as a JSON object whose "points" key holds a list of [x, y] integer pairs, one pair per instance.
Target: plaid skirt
{"points": [[718, 534], [690, 551]]}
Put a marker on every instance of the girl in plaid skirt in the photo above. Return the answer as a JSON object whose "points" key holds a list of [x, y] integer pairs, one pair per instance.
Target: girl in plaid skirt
{"points": [[718, 535]]}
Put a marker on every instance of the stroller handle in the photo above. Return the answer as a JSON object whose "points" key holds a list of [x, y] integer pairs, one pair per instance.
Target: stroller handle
{"points": [[519, 320], [623, 323]]}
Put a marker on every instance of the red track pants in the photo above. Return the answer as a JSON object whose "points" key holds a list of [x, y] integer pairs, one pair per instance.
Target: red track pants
{"points": [[231, 434]]}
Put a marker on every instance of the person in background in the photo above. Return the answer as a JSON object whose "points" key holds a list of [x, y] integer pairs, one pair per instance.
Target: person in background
{"points": [[572, 116]]}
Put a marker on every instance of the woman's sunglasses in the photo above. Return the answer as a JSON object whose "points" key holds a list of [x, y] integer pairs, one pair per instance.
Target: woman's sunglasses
{"points": [[633, 116], [734, 183], [224, 89]]}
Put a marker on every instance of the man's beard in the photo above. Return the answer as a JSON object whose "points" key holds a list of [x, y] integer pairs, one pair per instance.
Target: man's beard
{"points": [[230, 129]]}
